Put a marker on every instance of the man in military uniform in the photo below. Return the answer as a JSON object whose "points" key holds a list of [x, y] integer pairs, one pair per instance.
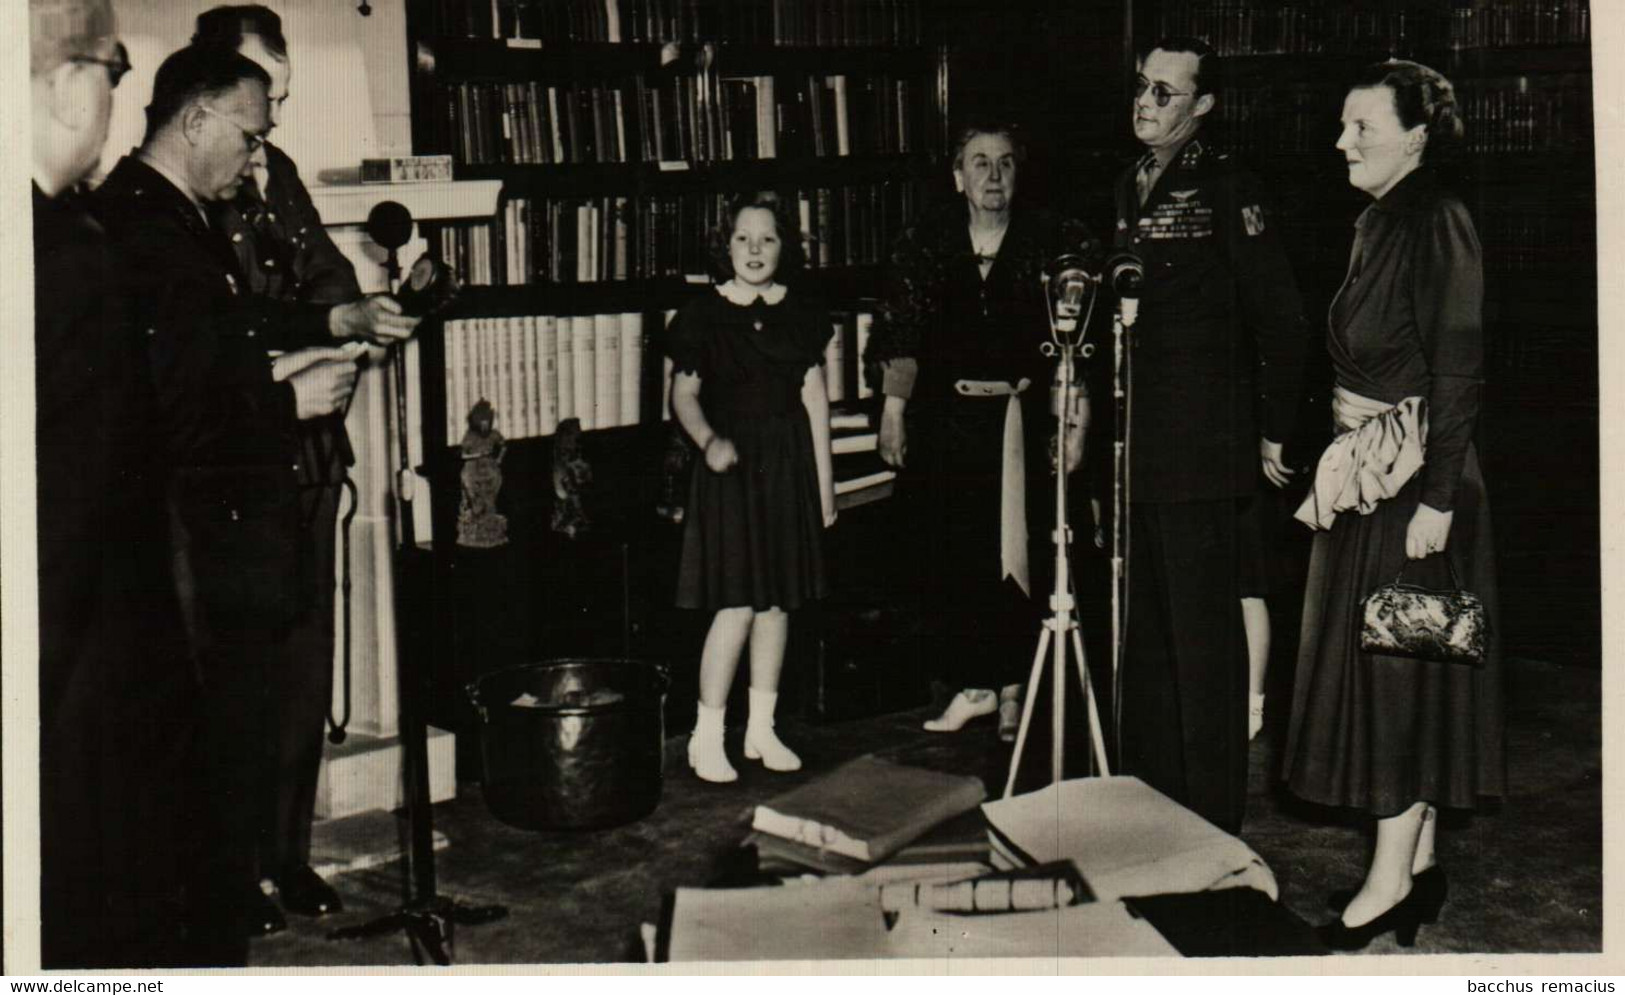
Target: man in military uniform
{"points": [[285, 254], [1216, 360], [117, 700], [229, 418]]}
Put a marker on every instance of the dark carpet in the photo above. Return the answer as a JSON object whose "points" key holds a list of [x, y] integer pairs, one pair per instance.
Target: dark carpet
{"points": [[1525, 873]]}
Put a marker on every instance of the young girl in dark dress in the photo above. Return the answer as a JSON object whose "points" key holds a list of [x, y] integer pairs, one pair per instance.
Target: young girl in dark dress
{"points": [[764, 490], [1396, 737]]}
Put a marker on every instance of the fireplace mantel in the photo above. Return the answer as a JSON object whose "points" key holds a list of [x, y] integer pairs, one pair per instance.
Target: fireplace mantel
{"points": [[348, 203]]}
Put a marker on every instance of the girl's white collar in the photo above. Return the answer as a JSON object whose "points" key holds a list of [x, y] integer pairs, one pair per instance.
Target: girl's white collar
{"points": [[741, 294]]}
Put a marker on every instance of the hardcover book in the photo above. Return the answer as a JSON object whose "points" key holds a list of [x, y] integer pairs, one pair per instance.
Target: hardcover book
{"points": [[868, 809]]}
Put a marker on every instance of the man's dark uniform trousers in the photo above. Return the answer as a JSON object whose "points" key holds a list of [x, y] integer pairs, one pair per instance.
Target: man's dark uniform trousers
{"points": [[232, 434], [285, 254], [1218, 348], [117, 698]]}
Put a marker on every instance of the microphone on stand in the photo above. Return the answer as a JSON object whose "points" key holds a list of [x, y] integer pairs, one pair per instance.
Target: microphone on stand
{"points": [[1125, 272], [1069, 288], [430, 285], [389, 224], [1068, 281]]}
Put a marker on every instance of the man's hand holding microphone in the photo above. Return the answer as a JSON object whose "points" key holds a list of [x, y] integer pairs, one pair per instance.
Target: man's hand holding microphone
{"points": [[323, 377], [376, 318]]}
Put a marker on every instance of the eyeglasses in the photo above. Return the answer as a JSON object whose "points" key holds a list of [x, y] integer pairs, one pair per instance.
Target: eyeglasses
{"points": [[116, 67], [1158, 90], [254, 139]]}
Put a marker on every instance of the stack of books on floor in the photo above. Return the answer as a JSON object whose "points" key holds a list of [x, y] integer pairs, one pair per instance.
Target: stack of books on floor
{"points": [[848, 867], [889, 888], [859, 814]]}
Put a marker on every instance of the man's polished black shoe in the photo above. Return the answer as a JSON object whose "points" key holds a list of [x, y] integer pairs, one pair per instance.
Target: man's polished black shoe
{"points": [[264, 918], [1432, 883], [304, 893]]}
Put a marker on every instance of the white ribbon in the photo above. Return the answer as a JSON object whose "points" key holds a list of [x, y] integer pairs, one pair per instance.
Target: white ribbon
{"points": [[1013, 478]]}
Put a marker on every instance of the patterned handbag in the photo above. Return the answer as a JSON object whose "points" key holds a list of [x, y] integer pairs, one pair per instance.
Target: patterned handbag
{"points": [[1406, 620]]}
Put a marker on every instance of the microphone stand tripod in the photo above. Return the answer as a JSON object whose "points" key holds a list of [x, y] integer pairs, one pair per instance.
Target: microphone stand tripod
{"points": [[1128, 309], [427, 919], [1061, 628]]}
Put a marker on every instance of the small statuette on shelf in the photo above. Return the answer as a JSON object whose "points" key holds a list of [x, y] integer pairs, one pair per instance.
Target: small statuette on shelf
{"points": [[572, 475], [479, 524], [674, 466]]}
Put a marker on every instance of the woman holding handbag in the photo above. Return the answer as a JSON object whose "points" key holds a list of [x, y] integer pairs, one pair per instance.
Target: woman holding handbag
{"points": [[1399, 491]]}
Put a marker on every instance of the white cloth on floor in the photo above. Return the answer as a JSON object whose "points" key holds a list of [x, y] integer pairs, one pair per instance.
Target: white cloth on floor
{"points": [[1126, 838]]}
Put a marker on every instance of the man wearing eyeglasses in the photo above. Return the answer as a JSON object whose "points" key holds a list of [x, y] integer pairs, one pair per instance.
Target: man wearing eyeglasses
{"points": [[117, 702], [1217, 358], [284, 253], [231, 426]]}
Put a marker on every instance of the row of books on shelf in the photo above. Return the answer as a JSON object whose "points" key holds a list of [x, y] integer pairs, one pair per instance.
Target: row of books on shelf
{"points": [[1509, 116], [653, 236], [539, 370], [1301, 118], [777, 22], [1527, 240], [1520, 22], [702, 117], [1273, 27], [1501, 115]]}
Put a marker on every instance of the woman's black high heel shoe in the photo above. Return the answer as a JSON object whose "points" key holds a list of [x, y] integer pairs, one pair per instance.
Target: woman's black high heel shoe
{"points": [[1431, 882], [1403, 919]]}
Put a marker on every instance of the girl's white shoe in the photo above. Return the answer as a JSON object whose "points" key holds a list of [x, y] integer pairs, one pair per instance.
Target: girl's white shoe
{"points": [[761, 742], [705, 752]]}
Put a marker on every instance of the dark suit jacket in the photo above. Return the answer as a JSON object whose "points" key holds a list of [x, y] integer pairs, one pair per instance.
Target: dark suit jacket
{"points": [[103, 535], [231, 431], [116, 694], [1219, 347], [285, 253]]}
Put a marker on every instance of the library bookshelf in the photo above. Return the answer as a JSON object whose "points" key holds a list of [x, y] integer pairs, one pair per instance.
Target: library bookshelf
{"points": [[619, 129]]}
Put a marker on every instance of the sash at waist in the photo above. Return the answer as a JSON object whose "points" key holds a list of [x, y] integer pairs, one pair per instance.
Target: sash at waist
{"points": [[1013, 477], [1379, 449]]}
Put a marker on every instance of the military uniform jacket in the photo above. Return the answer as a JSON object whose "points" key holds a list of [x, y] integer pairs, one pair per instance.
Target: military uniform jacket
{"points": [[230, 430], [108, 621], [284, 252], [1218, 350]]}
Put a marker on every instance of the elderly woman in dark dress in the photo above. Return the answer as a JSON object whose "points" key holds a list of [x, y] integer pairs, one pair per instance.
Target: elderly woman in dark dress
{"points": [[958, 344], [1398, 737]]}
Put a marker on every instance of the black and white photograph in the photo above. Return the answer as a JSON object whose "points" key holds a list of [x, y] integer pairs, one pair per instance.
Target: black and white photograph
{"points": [[945, 485]]}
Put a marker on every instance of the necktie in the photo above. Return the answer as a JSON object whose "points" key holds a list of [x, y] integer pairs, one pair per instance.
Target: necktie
{"points": [[262, 180], [1146, 177]]}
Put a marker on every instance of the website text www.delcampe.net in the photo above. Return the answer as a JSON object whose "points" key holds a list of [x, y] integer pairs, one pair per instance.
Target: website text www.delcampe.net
{"points": [[66, 987]]}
